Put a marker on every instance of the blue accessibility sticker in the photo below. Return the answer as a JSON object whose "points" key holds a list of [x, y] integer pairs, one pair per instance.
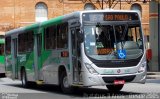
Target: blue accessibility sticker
{"points": [[121, 54]]}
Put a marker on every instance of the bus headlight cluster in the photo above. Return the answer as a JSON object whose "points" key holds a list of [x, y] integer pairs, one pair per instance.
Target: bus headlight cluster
{"points": [[91, 69], [142, 68]]}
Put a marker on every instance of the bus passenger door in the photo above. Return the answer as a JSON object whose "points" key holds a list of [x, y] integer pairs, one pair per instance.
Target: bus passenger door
{"points": [[75, 54], [14, 58]]}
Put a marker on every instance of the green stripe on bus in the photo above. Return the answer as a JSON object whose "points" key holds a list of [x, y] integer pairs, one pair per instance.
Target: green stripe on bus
{"points": [[31, 27], [2, 59], [45, 55]]}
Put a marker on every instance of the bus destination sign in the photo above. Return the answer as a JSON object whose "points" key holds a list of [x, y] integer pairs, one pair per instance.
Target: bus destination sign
{"points": [[120, 16], [110, 16]]}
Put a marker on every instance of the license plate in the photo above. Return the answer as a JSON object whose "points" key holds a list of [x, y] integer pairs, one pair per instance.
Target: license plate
{"points": [[119, 82]]}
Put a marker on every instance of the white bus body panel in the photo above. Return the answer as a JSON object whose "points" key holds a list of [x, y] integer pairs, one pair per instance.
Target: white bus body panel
{"points": [[49, 71]]}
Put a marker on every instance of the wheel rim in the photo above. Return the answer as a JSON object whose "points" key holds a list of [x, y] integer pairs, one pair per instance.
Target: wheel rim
{"points": [[65, 82]]}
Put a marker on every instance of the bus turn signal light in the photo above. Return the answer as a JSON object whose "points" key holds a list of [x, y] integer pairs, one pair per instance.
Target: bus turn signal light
{"points": [[149, 54]]}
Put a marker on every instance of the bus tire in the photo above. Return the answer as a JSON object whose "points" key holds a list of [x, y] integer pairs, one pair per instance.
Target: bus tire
{"points": [[65, 87], [24, 78], [115, 88]]}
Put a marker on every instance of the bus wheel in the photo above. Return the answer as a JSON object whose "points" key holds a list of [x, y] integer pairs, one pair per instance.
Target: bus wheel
{"points": [[24, 78], [66, 88], [115, 88]]}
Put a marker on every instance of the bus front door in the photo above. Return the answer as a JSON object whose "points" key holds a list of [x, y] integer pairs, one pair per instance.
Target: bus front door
{"points": [[75, 55]]}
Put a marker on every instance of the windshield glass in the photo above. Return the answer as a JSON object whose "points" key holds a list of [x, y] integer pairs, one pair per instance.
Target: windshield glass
{"points": [[108, 42]]}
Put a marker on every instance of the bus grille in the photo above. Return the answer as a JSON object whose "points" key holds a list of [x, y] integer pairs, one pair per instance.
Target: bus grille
{"points": [[117, 63]]}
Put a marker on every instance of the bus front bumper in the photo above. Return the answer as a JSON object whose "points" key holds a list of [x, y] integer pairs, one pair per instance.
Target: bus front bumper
{"points": [[98, 80]]}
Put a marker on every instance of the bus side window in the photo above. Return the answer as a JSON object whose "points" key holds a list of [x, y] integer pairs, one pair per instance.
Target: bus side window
{"points": [[26, 42], [50, 37], [62, 35], [30, 41]]}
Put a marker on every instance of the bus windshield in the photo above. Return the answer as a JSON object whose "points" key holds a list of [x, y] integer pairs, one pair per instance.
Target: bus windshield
{"points": [[102, 42]]}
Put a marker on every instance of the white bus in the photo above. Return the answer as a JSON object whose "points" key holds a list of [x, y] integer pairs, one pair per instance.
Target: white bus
{"points": [[85, 48]]}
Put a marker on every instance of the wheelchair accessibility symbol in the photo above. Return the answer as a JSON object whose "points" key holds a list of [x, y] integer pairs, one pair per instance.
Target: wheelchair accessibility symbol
{"points": [[121, 54]]}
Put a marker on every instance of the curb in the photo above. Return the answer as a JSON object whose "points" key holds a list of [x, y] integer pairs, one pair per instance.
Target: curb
{"points": [[153, 78], [153, 75]]}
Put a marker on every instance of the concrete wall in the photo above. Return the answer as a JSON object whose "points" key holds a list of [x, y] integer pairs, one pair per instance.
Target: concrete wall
{"points": [[153, 20]]}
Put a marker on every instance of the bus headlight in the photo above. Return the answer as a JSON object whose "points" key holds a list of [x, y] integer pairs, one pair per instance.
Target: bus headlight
{"points": [[91, 69], [142, 68]]}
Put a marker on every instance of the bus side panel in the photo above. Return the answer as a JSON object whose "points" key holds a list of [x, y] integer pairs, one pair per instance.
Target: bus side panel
{"points": [[1, 59], [26, 60], [52, 61], [8, 66], [50, 66]]}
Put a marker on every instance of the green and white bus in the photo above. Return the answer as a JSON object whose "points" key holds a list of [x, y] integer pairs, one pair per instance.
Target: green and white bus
{"points": [[85, 48], [2, 67]]}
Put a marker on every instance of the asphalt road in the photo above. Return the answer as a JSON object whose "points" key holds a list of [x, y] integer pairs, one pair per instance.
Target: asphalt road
{"points": [[10, 89]]}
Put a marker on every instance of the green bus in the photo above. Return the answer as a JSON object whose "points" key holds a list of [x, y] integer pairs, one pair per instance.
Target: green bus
{"points": [[84, 48], [2, 67]]}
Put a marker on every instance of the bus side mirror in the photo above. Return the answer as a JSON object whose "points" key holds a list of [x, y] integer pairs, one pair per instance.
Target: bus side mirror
{"points": [[80, 36]]}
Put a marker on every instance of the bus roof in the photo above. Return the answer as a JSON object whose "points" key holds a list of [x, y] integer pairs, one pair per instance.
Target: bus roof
{"points": [[50, 22], [58, 20]]}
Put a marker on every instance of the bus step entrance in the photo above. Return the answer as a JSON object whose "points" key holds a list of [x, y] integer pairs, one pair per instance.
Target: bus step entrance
{"points": [[77, 78], [39, 82]]}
